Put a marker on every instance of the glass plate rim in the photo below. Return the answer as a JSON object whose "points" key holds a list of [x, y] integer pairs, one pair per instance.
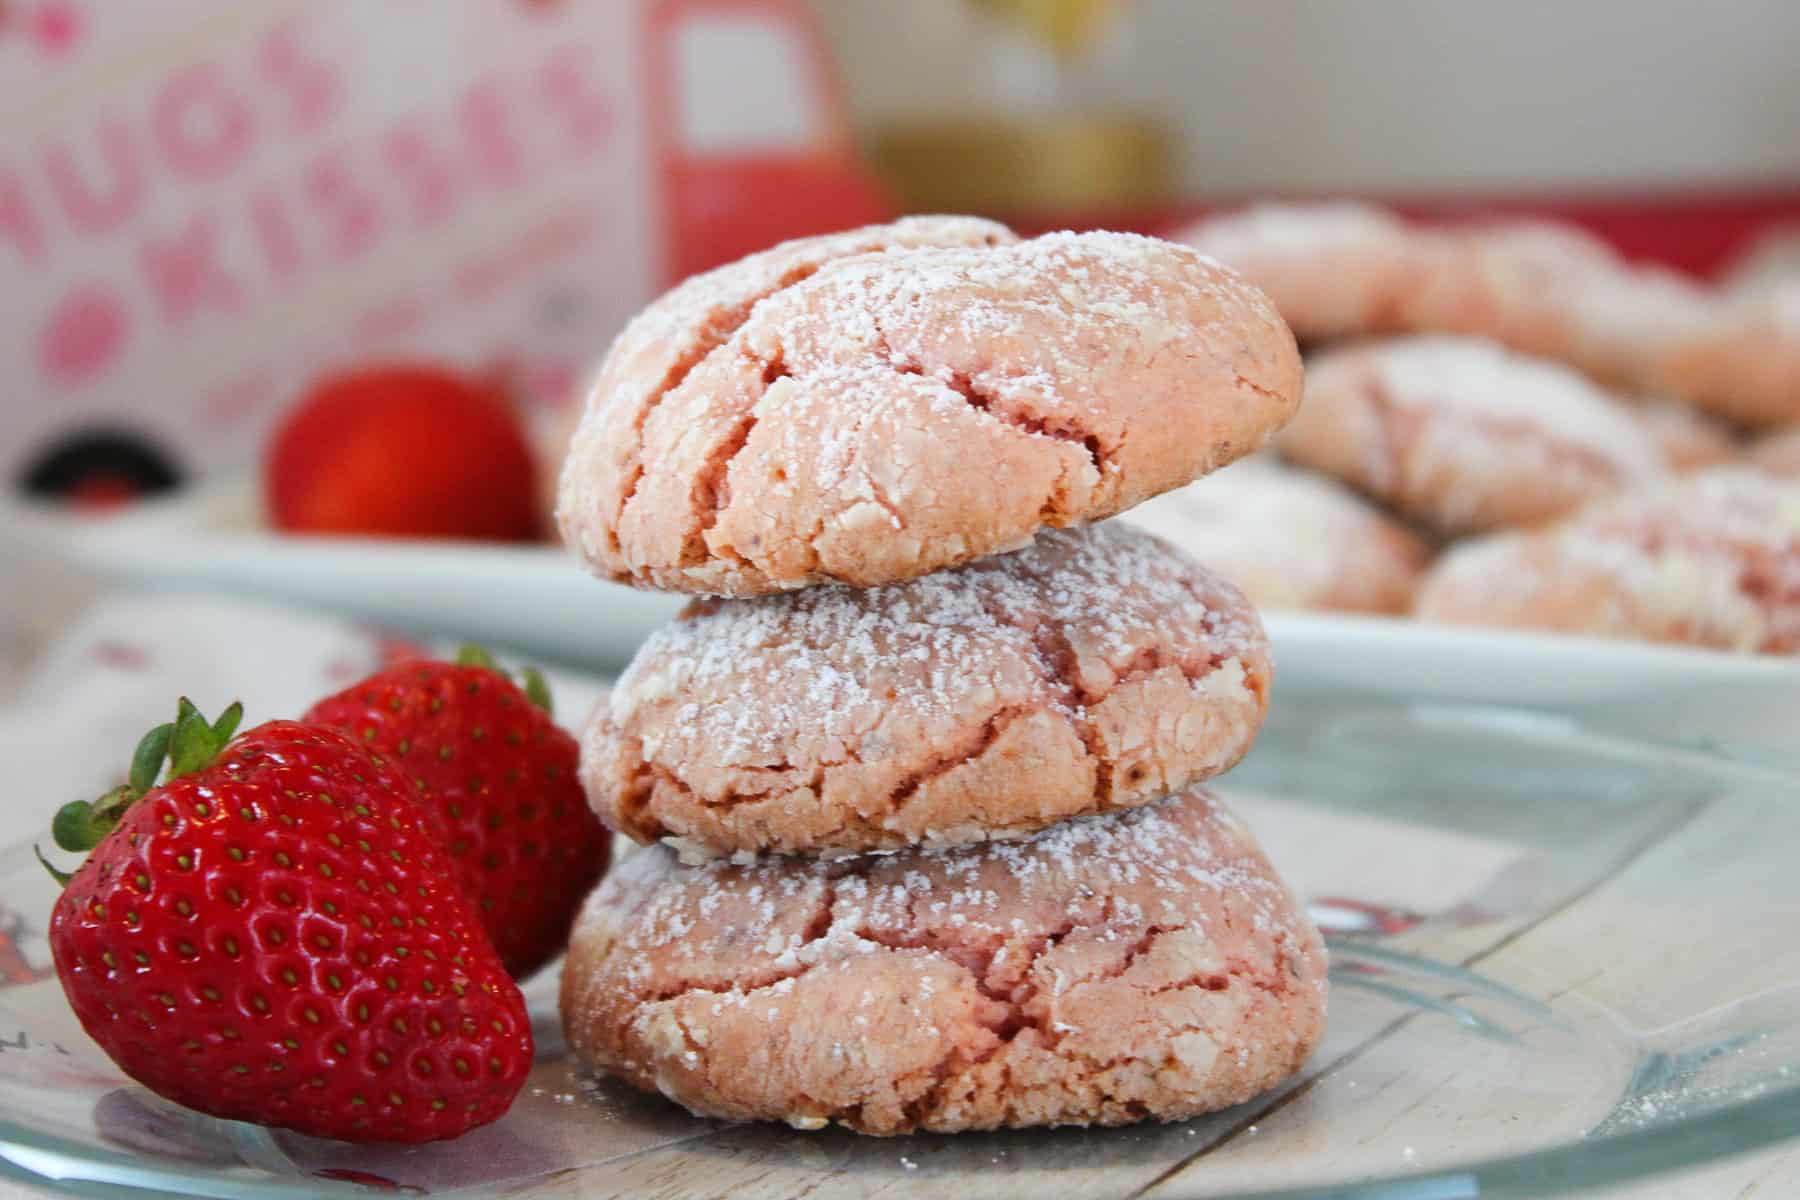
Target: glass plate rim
{"points": [[1615, 1158], [1767, 1119]]}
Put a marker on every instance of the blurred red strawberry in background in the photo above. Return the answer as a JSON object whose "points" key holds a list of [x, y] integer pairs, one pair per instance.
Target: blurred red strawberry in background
{"points": [[403, 451]]}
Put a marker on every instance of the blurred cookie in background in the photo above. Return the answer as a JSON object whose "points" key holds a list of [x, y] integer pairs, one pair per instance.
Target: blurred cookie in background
{"points": [[1540, 287], [1709, 559], [1779, 452], [1463, 436], [1743, 361], [1291, 539], [1689, 439], [1333, 270], [1552, 290]]}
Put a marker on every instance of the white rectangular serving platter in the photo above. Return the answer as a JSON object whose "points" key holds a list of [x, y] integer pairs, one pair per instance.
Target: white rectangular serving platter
{"points": [[537, 600]]}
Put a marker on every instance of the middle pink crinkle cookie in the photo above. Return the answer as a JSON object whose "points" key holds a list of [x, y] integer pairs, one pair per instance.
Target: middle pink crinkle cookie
{"points": [[1097, 669]]}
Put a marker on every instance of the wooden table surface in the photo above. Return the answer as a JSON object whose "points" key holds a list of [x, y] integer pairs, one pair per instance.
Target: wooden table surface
{"points": [[1666, 858]]}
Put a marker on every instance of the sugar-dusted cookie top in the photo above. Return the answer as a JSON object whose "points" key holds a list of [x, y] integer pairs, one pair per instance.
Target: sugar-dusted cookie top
{"points": [[1292, 539], [1463, 436], [1779, 452], [1707, 559], [1688, 437], [1096, 669], [1544, 288], [872, 407], [1333, 270], [1742, 362]]}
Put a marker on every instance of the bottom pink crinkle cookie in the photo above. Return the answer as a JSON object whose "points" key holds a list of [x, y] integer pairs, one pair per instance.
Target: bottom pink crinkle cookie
{"points": [[1141, 964]]}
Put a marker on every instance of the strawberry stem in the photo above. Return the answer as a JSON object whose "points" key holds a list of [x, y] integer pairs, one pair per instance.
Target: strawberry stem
{"points": [[78, 825], [227, 724], [62, 877], [471, 655], [537, 691], [197, 741], [147, 759], [188, 743]]}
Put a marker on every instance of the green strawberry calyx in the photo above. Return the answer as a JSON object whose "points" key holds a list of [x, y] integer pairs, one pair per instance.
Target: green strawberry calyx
{"points": [[187, 744], [531, 679]]}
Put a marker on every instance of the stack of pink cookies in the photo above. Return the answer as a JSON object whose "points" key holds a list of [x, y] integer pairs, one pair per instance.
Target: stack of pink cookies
{"points": [[920, 769]]}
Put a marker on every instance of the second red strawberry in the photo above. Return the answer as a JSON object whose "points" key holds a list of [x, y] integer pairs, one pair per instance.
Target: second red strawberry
{"points": [[499, 777]]}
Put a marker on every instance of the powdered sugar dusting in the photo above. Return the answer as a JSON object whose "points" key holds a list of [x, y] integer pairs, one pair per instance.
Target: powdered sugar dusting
{"points": [[836, 662], [664, 342], [1711, 558], [1746, 510], [1287, 536], [1248, 236], [1471, 376], [690, 305], [1144, 963], [1100, 292], [830, 436], [1464, 436], [1171, 862]]}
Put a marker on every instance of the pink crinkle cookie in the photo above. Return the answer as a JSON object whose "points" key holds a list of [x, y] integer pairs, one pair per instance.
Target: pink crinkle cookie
{"points": [[1096, 669], [1542, 288], [1779, 452], [1743, 362], [1290, 538], [1688, 438], [1332, 270], [1463, 436], [1141, 964], [874, 406], [1554, 291], [1709, 559]]}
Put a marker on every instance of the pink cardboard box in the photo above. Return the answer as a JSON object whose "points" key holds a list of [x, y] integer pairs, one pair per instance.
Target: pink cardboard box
{"points": [[204, 204]]}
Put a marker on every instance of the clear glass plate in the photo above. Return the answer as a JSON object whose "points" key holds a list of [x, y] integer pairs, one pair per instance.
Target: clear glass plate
{"points": [[1559, 959]]}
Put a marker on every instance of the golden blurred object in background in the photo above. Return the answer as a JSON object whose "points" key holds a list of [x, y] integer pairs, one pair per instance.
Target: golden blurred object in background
{"points": [[1070, 163], [1067, 27], [1046, 128]]}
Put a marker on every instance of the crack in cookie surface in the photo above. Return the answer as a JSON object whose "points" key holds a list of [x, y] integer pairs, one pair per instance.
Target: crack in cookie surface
{"points": [[712, 481], [687, 326], [714, 334]]}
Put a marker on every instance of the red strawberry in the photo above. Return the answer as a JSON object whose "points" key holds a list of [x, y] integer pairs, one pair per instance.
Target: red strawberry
{"points": [[271, 936], [500, 778], [403, 451]]}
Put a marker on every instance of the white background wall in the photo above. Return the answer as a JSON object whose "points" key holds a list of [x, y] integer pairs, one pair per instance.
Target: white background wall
{"points": [[1387, 95]]}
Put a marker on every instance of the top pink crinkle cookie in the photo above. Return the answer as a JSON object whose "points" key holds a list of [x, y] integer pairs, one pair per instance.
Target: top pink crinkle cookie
{"points": [[873, 406]]}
